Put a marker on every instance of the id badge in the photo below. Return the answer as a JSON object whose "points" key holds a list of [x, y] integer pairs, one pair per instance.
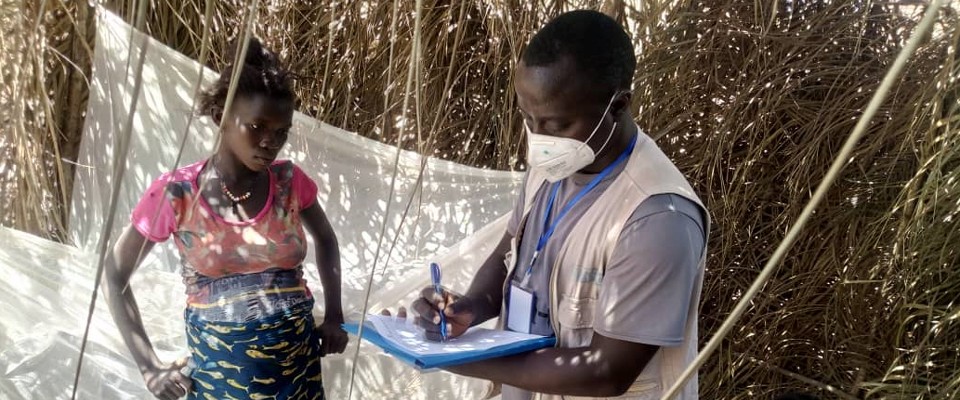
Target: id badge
{"points": [[521, 309]]}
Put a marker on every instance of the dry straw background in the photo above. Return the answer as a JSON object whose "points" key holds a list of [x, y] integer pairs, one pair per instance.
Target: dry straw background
{"points": [[752, 99]]}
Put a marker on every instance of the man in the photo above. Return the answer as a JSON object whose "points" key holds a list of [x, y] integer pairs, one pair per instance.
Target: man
{"points": [[606, 246]]}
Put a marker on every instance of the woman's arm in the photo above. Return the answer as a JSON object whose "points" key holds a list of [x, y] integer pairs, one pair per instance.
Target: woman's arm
{"points": [[163, 380], [120, 264], [328, 264]]}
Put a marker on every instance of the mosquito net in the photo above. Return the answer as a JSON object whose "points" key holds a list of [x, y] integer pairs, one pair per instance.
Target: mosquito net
{"points": [[394, 211]]}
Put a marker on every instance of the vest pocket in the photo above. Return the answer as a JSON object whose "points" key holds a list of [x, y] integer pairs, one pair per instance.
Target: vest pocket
{"points": [[575, 318], [576, 312]]}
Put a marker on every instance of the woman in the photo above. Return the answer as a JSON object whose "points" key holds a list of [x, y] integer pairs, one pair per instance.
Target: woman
{"points": [[237, 219]]}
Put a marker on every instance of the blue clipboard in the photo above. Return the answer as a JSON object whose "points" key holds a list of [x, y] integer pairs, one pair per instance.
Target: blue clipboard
{"points": [[439, 361]]}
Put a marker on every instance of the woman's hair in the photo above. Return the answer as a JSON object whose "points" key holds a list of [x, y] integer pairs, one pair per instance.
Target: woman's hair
{"points": [[261, 74]]}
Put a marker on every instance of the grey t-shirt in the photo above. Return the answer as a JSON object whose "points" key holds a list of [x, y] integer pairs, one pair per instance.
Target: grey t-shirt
{"points": [[650, 279]]}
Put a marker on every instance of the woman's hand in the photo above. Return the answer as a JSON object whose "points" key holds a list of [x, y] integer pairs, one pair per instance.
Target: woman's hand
{"points": [[166, 382], [333, 339]]}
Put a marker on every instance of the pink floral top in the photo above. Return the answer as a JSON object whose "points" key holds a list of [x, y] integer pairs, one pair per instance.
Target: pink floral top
{"points": [[233, 271]]}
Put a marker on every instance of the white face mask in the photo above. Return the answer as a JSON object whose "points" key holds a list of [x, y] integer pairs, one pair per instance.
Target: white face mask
{"points": [[557, 157]]}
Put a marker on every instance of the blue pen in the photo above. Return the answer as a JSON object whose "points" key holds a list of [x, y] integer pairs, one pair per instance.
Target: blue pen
{"points": [[435, 276]]}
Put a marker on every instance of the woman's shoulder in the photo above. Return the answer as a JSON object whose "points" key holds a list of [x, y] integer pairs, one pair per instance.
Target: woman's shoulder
{"points": [[185, 174], [178, 182], [285, 170], [282, 163]]}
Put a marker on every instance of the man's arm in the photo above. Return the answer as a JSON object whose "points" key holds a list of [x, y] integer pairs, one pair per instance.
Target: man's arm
{"points": [[481, 303], [486, 289], [482, 300], [605, 368]]}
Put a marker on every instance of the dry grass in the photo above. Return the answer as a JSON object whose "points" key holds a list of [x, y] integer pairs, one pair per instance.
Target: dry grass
{"points": [[752, 102], [42, 101]]}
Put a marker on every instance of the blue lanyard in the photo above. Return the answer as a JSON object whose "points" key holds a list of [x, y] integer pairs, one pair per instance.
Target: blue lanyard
{"points": [[549, 228]]}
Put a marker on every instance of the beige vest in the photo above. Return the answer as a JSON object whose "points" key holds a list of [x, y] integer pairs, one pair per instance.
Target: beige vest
{"points": [[578, 273]]}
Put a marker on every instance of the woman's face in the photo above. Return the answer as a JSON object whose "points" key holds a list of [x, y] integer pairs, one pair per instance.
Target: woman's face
{"points": [[257, 129]]}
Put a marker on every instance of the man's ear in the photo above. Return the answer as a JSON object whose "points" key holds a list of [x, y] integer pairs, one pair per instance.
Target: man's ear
{"points": [[621, 103]]}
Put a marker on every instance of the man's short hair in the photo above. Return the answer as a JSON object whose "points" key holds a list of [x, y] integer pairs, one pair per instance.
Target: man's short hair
{"points": [[598, 46]]}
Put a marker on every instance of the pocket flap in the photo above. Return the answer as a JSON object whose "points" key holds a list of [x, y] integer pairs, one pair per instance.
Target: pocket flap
{"points": [[574, 312]]}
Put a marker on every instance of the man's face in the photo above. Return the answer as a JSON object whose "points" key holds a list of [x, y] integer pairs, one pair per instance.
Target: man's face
{"points": [[556, 101]]}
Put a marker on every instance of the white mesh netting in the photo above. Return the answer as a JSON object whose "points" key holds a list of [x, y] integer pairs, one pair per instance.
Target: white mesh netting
{"points": [[453, 216]]}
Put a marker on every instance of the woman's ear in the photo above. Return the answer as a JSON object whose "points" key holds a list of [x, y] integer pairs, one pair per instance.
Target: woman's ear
{"points": [[217, 115]]}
